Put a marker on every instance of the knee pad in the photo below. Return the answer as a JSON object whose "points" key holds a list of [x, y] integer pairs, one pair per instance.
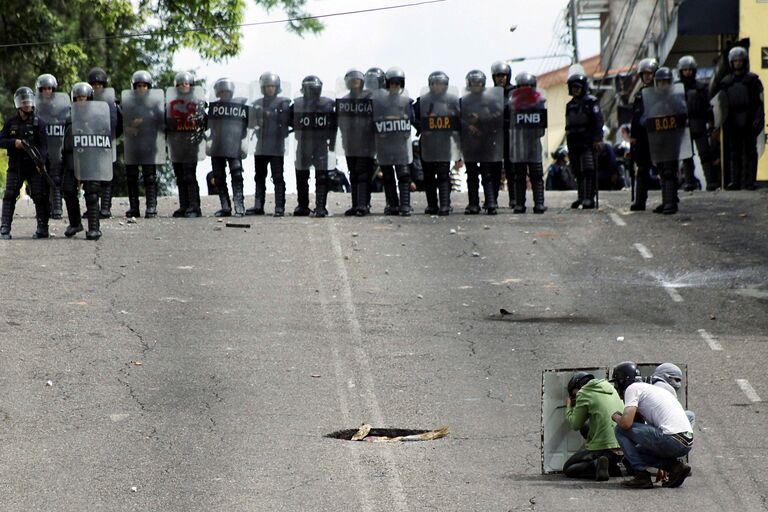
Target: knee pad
{"points": [[236, 168]]}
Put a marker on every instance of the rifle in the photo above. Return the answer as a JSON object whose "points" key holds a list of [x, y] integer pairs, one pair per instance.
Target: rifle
{"points": [[33, 153]]}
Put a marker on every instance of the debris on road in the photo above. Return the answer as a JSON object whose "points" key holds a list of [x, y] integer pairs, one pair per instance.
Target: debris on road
{"points": [[475, 254], [363, 435], [49, 383], [237, 225], [504, 312]]}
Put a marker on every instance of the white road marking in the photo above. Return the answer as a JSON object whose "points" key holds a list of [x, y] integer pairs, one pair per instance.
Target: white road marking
{"points": [[644, 251], [711, 341], [748, 390], [672, 292], [616, 219]]}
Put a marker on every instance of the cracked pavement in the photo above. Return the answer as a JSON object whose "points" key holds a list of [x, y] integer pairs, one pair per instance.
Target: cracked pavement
{"points": [[204, 365]]}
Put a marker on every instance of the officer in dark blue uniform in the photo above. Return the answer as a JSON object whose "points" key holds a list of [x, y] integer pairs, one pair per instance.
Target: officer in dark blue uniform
{"points": [[26, 126], [746, 118], [639, 147], [699, 117], [584, 133]]}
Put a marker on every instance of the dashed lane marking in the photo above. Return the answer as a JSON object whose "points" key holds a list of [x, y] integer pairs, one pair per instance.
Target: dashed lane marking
{"points": [[672, 292], [644, 251], [748, 390], [617, 219], [711, 341]]}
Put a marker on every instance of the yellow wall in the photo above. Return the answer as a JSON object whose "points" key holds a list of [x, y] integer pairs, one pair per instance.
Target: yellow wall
{"points": [[753, 17], [557, 98]]}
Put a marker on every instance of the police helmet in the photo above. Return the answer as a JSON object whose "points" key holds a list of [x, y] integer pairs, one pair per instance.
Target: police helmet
{"points": [[141, 77], [311, 86], [223, 85], [624, 374], [687, 62], [46, 80], [579, 79], [501, 68], [270, 78], [475, 76], [183, 77], [374, 79], [523, 79], [395, 76], [97, 76], [669, 373], [578, 380], [353, 74], [738, 53], [438, 77], [647, 65], [662, 74], [24, 97], [82, 89], [560, 152]]}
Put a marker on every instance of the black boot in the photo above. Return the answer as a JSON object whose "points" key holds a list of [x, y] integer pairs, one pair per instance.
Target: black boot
{"points": [[670, 198], [238, 198], [579, 193], [193, 197], [226, 206], [473, 197], [361, 206], [258, 200], [42, 228], [404, 185], [321, 193], [73, 214], [133, 200], [302, 194], [42, 214], [56, 202], [520, 191], [444, 195], [641, 192], [279, 197], [352, 210], [92, 211], [181, 211], [390, 193], [588, 203], [490, 195], [150, 187], [537, 184], [9, 205], [106, 200]]}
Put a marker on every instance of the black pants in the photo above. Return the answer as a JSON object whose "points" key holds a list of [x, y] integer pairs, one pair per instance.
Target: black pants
{"points": [[582, 464], [435, 173], [361, 171], [219, 166], [392, 187], [16, 176], [743, 156], [584, 167], [262, 164]]}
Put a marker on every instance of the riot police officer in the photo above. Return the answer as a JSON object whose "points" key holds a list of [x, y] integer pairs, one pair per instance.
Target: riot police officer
{"points": [[501, 72], [24, 128], [639, 148], [745, 120], [699, 116], [584, 133], [97, 78], [437, 120], [270, 116], [53, 108]]}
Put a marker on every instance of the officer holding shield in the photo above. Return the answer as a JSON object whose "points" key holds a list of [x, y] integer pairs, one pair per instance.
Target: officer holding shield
{"points": [[641, 154], [98, 79], [53, 108]]}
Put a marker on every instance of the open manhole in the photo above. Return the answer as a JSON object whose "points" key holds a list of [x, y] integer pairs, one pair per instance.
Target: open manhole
{"points": [[367, 433]]}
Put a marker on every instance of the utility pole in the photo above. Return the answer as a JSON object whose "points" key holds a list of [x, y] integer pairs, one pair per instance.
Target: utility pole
{"points": [[574, 41]]}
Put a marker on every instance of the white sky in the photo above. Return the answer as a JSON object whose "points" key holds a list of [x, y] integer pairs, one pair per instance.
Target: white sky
{"points": [[454, 36]]}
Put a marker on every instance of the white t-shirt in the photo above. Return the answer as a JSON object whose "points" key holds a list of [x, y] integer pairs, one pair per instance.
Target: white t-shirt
{"points": [[659, 407]]}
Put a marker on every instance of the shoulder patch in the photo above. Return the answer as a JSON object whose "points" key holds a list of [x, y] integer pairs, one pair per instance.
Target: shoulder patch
{"points": [[595, 108]]}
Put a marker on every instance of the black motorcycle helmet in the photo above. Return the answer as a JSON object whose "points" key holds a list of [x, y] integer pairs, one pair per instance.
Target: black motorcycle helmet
{"points": [[97, 76], [623, 375], [578, 380], [662, 75], [311, 86], [579, 79]]}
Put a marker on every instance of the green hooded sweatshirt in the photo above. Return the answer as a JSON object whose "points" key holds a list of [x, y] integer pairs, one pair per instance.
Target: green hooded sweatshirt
{"points": [[597, 400]]}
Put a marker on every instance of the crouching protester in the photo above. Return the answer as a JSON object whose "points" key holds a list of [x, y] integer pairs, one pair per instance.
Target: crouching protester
{"points": [[662, 441], [589, 406], [670, 377]]}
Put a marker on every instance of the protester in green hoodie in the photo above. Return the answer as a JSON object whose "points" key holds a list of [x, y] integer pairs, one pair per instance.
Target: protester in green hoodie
{"points": [[590, 404]]}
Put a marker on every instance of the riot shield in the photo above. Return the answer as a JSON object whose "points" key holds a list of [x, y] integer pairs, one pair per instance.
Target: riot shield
{"points": [[92, 141], [666, 121], [760, 144], [719, 104], [392, 122], [482, 125], [314, 125], [184, 130], [354, 115], [558, 441], [270, 119], [228, 124], [54, 110], [107, 95], [440, 126], [144, 127], [528, 125]]}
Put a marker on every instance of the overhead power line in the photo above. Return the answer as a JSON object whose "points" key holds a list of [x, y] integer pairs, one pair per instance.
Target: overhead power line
{"points": [[136, 35]]}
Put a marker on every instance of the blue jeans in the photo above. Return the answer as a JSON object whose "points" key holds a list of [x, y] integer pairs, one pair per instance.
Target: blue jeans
{"points": [[645, 445]]}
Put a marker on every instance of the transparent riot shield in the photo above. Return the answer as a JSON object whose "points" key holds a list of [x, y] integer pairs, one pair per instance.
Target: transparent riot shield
{"points": [[92, 141], [666, 121], [314, 125], [719, 104], [482, 125], [439, 119], [269, 119], [143, 127], [53, 110], [107, 95], [184, 130], [354, 114], [228, 123], [528, 125], [392, 122]]}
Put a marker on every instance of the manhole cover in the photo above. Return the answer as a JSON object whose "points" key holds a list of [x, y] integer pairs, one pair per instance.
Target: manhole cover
{"points": [[369, 434]]}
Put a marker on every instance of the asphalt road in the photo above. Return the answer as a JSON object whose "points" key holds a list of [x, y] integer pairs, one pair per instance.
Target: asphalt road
{"points": [[195, 367]]}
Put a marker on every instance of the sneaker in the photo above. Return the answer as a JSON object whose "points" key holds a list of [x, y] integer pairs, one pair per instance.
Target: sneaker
{"points": [[677, 475], [640, 481], [601, 472]]}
